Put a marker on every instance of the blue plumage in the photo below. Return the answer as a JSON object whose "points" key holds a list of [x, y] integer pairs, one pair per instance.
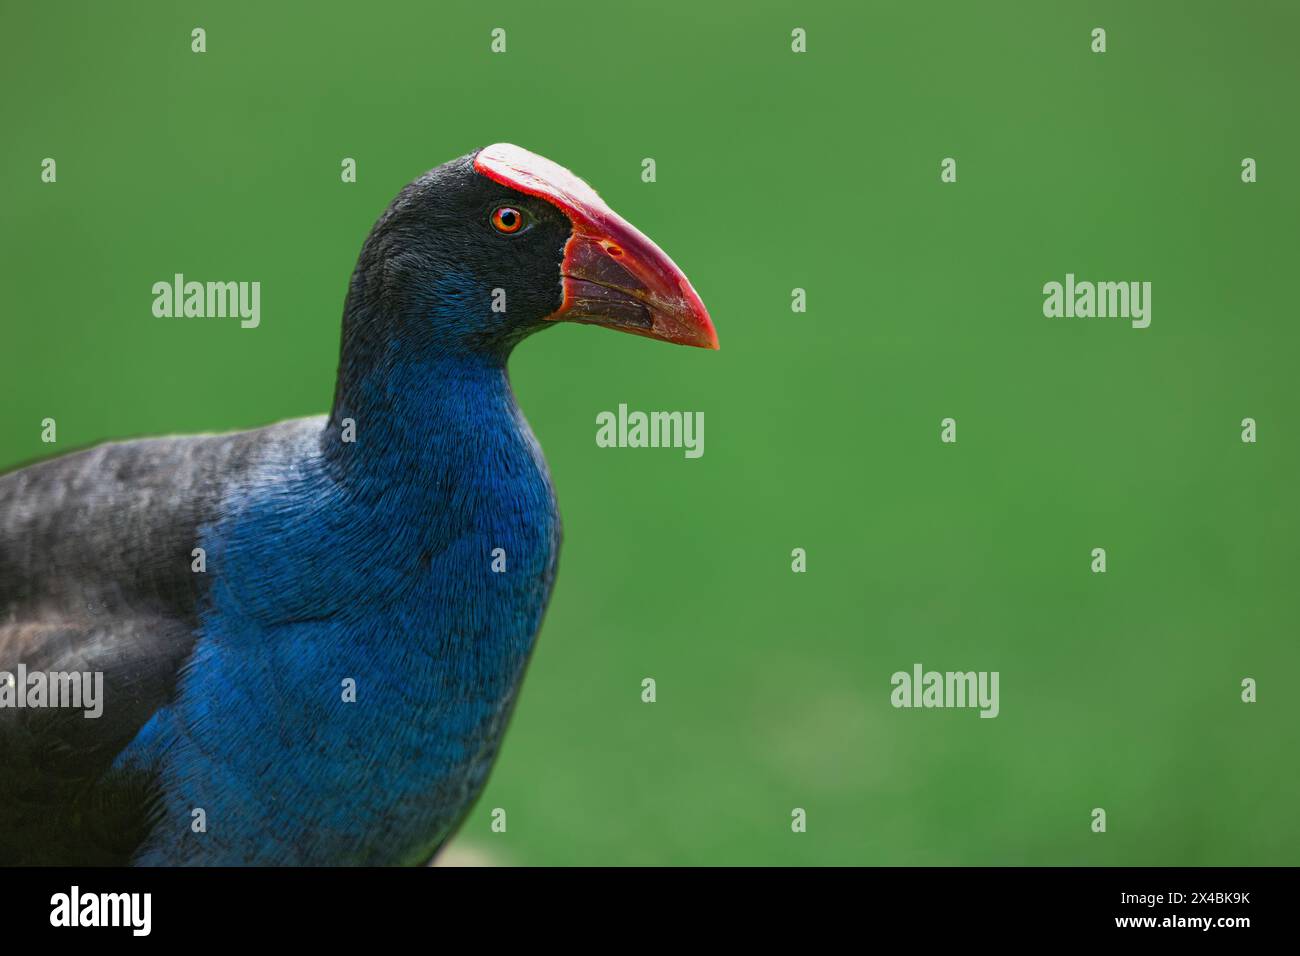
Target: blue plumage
{"points": [[386, 579], [332, 685]]}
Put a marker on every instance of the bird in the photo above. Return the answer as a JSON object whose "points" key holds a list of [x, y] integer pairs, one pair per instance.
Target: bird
{"points": [[311, 635]]}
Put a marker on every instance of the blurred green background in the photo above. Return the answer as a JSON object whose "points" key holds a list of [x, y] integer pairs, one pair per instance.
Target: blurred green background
{"points": [[775, 171]]}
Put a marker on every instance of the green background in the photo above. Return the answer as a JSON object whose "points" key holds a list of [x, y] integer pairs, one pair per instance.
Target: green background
{"points": [[775, 171]]}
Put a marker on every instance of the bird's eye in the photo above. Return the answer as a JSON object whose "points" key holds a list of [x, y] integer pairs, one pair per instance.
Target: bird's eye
{"points": [[507, 219]]}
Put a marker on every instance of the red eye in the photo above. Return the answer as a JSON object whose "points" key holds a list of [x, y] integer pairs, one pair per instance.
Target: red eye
{"points": [[507, 219]]}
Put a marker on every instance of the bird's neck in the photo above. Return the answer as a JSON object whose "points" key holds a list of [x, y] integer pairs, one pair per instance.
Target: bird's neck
{"points": [[432, 455], [415, 418]]}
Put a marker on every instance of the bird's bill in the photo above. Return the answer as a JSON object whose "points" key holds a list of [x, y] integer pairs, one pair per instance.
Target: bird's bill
{"points": [[612, 274], [622, 280]]}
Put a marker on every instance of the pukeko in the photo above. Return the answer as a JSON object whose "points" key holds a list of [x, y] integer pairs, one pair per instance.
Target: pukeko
{"points": [[311, 635]]}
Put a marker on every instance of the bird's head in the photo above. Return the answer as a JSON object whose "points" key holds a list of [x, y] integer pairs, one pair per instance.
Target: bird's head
{"points": [[484, 250]]}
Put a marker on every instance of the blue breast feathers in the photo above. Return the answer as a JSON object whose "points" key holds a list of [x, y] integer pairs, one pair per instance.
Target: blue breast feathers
{"points": [[412, 564]]}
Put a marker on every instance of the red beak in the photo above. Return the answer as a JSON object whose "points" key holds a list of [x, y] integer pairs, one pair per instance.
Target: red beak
{"points": [[613, 275]]}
